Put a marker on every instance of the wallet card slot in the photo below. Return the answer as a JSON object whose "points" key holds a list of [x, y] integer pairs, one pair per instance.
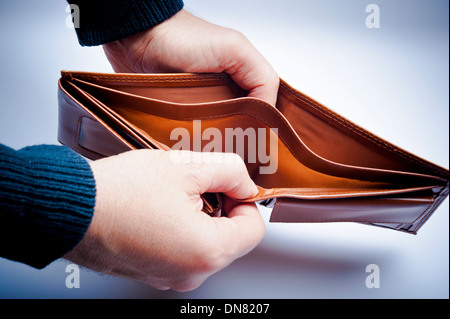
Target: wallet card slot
{"points": [[74, 129], [109, 117]]}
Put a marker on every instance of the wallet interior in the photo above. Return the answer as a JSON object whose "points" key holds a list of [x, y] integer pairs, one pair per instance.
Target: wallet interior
{"points": [[317, 153]]}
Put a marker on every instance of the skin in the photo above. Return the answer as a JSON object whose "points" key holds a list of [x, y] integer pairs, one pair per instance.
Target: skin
{"points": [[148, 224], [186, 43]]}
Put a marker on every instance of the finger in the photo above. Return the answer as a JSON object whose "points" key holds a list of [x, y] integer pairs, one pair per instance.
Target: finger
{"points": [[267, 92], [260, 82], [252, 72], [222, 173]]}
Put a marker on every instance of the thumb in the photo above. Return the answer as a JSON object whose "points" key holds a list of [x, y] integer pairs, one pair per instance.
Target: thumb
{"points": [[222, 173], [251, 71], [226, 173]]}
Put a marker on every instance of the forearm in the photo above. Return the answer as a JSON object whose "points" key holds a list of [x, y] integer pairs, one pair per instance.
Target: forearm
{"points": [[47, 198]]}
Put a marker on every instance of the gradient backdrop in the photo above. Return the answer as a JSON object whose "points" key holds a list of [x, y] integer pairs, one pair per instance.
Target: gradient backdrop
{"points": [[393, 81]]}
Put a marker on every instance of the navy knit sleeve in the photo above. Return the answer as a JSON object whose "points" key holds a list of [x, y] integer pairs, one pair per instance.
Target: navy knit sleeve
{"points": [[47, 199], [103, 21]]}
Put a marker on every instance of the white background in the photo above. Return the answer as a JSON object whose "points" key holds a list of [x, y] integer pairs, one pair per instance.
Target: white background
{"points": [[392, 81]]}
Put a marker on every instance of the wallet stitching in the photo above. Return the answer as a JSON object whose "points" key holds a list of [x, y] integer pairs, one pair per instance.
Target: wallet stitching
{"points": [[160, 79], [361, 133]]}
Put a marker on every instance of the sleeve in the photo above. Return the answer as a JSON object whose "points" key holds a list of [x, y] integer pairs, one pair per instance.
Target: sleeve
{"points": [[103, 21], [47, 199]]}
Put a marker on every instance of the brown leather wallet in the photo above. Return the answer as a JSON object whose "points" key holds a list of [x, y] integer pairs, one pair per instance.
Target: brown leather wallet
{"points": [[311, 165]]}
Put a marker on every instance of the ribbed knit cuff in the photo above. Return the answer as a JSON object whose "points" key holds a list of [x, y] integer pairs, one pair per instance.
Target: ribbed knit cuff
{"points": [[103, 21], [47, 199]]}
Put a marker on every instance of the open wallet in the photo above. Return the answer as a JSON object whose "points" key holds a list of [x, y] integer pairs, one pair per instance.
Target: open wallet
{"points": [[309, 163]]}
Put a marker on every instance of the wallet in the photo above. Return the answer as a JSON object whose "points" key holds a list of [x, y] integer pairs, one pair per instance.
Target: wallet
{"points": [[310, 164]]}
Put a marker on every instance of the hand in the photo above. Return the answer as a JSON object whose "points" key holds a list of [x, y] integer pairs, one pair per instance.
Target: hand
{"points": [[185, 43], [148, 224]]}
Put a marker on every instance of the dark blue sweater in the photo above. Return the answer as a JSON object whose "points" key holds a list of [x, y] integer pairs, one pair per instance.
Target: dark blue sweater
{"points": [[47, 198], [103, 21], [47, 192]]}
